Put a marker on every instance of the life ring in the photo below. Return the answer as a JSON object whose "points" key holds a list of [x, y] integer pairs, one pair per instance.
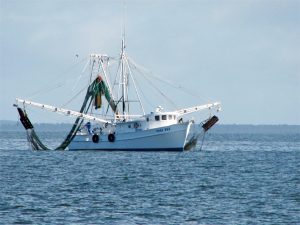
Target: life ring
{"points": [[95, 138], [111, 137]]}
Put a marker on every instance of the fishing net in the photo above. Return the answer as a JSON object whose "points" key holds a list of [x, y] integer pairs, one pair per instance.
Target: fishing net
{"points": [[95, 90]]}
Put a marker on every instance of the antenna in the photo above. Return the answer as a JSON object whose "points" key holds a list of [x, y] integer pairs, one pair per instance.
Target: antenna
{"points": [[123, 25]]}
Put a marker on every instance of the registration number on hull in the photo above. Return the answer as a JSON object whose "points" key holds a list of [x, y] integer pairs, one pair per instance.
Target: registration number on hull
{"points": [[163, 129]]}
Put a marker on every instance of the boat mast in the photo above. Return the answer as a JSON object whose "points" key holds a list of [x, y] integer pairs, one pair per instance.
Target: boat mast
{"points": [[123, 74], [123, 68]]}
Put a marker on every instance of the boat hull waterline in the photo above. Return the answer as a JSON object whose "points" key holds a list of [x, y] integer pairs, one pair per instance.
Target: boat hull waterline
{"points": [[168, 138]]}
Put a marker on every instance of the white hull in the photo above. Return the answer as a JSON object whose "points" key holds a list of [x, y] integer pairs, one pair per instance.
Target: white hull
{"points": [[167, 138]]}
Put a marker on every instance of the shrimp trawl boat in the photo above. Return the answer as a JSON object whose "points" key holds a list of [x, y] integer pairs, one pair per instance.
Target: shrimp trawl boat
{"points": [[117, 129]]}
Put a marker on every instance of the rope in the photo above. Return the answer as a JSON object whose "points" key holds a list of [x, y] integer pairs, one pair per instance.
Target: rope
{"points": [[74, 97], [92, 71], [168, 82], [202, 141], [54, 86], [154, 86], [159, 91], [145, 96]]}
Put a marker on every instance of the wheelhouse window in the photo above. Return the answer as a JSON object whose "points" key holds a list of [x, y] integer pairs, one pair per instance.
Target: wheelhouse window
{"points": [[156, 118], [169, 117], [164, 117]]}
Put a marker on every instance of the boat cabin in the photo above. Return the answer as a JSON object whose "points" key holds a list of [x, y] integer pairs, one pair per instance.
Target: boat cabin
{"points": [[156, 119], [159, 119]]}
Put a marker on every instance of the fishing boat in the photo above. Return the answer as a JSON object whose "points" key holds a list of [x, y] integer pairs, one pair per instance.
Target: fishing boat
{"points": [[117, 128]]}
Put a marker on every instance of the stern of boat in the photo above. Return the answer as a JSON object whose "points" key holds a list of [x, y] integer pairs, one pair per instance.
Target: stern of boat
{"points": [[196, 131]]}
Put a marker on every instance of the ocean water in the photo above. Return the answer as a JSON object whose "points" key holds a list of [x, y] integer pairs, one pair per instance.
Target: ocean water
{"points": [[234, 179]]}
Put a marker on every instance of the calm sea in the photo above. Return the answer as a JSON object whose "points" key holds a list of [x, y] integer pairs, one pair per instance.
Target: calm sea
{"points": [[235, 179]]}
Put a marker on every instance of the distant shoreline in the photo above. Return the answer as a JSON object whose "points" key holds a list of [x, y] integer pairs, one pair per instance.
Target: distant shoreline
{"points": [[10, 126]]}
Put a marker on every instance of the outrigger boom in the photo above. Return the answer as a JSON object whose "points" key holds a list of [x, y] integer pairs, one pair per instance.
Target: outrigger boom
{"points": [[69, 112], [66, 112], [184, 111]]}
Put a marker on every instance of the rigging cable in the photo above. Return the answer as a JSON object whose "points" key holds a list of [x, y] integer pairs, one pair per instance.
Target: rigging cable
{"points": [[75, 96], [202, 141], [168, 82], [156, 88], [135, 87], [54, 86], [159, 91], [79, 77], [92, 71]]}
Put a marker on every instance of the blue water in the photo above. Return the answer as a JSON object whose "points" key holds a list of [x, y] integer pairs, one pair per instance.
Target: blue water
{"points": [[235, 179]]}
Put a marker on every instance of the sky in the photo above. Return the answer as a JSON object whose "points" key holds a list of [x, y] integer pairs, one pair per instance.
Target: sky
{"points": [[245, 54]]}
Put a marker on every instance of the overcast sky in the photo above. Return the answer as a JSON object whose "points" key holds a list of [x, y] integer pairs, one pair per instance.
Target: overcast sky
{"points": [[245, 54]]}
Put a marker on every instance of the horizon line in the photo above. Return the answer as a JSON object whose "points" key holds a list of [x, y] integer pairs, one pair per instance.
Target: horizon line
{"points": [[223, 124]]}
